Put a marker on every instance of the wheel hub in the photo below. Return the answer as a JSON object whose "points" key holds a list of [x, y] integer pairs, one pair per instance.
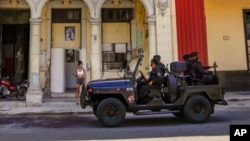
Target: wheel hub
{"points": [[198, 109], [111, 111]]}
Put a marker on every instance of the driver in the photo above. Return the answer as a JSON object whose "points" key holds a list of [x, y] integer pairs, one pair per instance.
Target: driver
{"points": [[155, 80], [160, 64]]}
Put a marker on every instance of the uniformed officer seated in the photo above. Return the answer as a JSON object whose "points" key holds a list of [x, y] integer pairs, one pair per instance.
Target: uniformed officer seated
{"points": [[160, 64], [155, 81], [201, 72]]}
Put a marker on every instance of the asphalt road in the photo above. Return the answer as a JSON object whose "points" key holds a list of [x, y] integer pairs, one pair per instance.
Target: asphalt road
{"points": [[157, 127]]}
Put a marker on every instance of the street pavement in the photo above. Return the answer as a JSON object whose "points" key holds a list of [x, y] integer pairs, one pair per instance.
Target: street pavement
{"points": [[76, 127], [57, 120], [68, 105]]}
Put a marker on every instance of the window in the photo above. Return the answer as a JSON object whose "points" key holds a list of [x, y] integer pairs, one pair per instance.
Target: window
{"points": [[11, 16], [114, 56], [66, 15], [117, 15]]}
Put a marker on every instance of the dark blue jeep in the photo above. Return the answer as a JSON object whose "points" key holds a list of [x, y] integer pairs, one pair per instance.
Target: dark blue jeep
{"points": [[112, 98]]}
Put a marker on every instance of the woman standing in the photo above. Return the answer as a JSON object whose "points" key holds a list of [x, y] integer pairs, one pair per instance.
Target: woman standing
{"points": [[80, 75]]}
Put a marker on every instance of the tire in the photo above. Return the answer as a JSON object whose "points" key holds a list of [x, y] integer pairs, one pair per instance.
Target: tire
{"points": [[111, 112], [197, 109], [21, 96], [95, 110]]}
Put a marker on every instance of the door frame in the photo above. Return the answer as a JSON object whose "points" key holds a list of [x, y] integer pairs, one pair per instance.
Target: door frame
{"points": [[246, 38]]}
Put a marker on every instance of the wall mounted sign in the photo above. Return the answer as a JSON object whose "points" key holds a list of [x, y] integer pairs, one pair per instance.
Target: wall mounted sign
{"points": [[70, 33]]}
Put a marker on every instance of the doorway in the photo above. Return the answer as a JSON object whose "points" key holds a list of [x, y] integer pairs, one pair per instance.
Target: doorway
{"points": [[14, 52], [247, 35], [66, 43]]}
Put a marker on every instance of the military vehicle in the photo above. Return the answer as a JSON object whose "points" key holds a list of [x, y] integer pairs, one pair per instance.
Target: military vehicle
{"points": [[111, 99]]}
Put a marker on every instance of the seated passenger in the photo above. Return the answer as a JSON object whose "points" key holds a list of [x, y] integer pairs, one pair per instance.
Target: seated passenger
{"points": [[200, 72], [160, 65], [155, 80], [189, 70]]}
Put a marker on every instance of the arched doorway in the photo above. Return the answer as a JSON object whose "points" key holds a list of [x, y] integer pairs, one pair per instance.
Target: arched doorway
{"points": [[64, 43], [124, 33], [14, 40]]}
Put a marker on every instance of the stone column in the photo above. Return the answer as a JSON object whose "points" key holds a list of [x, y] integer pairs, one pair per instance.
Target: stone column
{"points": [[96, 54], [152, 36], [34, 94]]}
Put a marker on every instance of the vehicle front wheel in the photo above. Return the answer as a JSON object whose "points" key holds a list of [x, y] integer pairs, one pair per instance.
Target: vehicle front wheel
{"points": [[197, 109], [111, 112], [95, 109]]}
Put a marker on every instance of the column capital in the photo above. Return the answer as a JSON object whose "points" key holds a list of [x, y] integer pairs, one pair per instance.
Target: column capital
{"points": [[95, 21], [35, 21], [151, 19]]}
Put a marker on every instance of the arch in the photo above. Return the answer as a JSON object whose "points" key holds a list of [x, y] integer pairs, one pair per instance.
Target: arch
{"points": [[36, 7], [148, 4], [91, 8]]}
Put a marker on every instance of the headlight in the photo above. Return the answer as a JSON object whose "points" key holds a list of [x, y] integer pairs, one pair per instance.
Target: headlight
{"points": [[90, 90]]}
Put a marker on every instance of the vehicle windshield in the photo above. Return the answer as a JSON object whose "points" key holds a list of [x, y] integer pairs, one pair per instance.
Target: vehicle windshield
{"points": [[132, 64]]}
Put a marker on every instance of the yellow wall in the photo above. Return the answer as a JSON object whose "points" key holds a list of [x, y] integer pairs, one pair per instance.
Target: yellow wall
{"points": [[116, 33], [225, 18], [58, 35], [43, 29]]}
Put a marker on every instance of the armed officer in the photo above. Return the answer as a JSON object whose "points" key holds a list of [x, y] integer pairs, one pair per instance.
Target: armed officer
{"points": [[160, 64], [200, 72], [155, 80]]}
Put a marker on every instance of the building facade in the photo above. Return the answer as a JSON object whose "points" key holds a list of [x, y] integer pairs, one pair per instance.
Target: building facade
{"points": [[42, 40]]}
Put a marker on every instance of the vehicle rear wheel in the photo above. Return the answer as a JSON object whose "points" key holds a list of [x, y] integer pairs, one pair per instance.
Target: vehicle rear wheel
{"points": [[197, 109], [22, 94], [111, 112]]}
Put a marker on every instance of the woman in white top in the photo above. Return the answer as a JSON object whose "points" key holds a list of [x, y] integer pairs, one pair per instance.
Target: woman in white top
{"points": [[80, 75]]}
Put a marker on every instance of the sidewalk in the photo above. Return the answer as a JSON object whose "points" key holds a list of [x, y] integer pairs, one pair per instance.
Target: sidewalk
{"points": [[68, 105]]}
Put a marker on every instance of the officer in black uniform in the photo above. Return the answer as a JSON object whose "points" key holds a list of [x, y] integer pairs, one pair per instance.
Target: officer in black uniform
{"points": [[200, 71], [186, 57], [160, 65], [155, 80], [189, 64]]}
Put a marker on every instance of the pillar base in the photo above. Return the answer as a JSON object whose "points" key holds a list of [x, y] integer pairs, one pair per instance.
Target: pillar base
{"points": [[34, 97]]}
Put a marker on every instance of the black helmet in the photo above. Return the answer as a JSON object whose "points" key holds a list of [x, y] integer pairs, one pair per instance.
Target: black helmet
{"points": [[157, 57], [186, 57], [155, 61], [193, 54]]}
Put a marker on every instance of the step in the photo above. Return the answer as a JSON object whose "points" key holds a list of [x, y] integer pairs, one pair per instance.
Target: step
{"points": [[63, 95], [155, 113]]}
